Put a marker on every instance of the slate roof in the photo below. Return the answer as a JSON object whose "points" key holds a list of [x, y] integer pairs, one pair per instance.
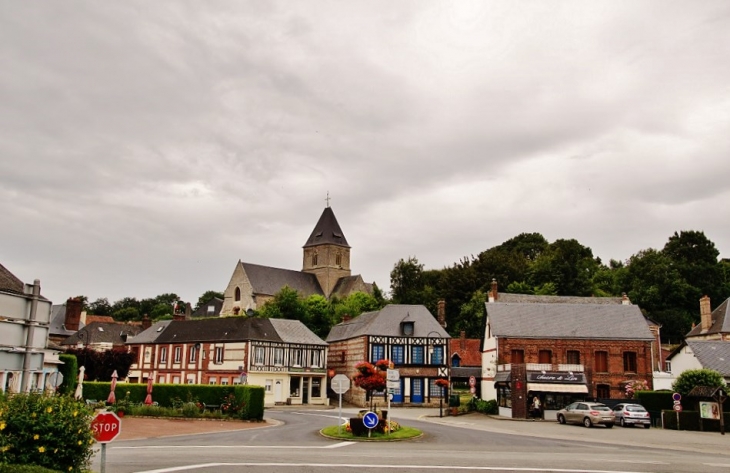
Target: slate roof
{"points": [[346, 285], [327, 231], [202, 311], [293, 331], [713, 355], [720, 321], [229, 329], [534, 299], [567, 321], [103, 332], [387, 322], [269, 281], [58, 321], [149, 335], [10, 283]]}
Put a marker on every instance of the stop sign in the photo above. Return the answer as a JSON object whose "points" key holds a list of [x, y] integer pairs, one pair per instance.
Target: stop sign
{"points": [[105, 426]]}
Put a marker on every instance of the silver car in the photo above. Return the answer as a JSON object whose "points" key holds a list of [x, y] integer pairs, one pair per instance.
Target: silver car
{"points": [[588, 414], [632, 414]]}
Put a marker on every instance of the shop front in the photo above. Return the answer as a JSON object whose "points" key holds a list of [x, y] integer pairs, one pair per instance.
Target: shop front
{"points": [[548, 392]]}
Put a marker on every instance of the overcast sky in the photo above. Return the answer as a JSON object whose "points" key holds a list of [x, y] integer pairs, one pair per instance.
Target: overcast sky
{"points": [[146, 147]]}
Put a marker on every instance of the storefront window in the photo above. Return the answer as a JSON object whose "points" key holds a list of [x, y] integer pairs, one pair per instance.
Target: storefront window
{"points": [[554, 401], [294, 386], [504, 396], [316, 387]]}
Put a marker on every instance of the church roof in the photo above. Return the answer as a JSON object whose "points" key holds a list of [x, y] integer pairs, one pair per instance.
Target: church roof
{"points": [[10, 283], [327, 231], [268, 280]]}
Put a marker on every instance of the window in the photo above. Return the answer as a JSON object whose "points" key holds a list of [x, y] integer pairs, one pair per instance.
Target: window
{"points": [[437, 357], [296, 358], [667, 366], [573, 357], [314, 259], [378, 353], [294, 386], [630, 361], [237, 296], [518, 356], [434, 390], [268, 385], [603, 391], [224, 381], [218, 355], [316, 387], [544, 356], [212, 380], [601, 362], [163, 355], [338, 259], [176, 380], [315, 357], [417, 355], [398, 354], [191, 381], [407, 328], [178, 354], [278, 356], [211, 309], [455, 361], [258, 356], [193, 354]]}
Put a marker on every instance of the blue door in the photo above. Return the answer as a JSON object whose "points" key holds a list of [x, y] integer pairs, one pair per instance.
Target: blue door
{"points": [[398, 393], [416, 390]]}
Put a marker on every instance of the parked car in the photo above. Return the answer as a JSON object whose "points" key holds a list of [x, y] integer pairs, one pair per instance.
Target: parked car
{"points": [[632, 414], [588, 414]]}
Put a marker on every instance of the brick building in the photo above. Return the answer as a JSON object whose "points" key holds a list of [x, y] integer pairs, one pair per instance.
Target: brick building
{"points": [[561, 349], [407, 335]]}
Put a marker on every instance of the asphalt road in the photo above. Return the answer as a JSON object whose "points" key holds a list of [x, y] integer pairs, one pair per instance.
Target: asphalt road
{"points": [[466, 443]]}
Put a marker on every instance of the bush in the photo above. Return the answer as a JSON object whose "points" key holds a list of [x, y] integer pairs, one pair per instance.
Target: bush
{"points": [[48, 431], [24, 469], [70, 371], [485, 407], [691, 378]]}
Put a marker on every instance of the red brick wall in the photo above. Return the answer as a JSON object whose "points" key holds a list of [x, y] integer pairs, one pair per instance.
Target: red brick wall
{"points": [[587, 349]]}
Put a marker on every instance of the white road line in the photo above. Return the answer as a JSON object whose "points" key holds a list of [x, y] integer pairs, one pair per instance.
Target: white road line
{"points": [[721, 465], [212, 447], [396, 467]]}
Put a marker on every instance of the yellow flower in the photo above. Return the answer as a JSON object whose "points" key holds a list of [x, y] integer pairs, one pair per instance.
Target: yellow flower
{"points": [[49, 410], [36, 437], [70, 468], [41, 449], [76, 413], [33, 414], [2, 425], [80, 442]]}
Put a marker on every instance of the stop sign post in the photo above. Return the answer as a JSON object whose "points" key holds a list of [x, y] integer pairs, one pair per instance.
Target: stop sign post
{"points": [[105, 427], [340, 385]]}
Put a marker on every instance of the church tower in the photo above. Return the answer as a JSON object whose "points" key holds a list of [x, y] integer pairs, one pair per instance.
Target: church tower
{"points": [[326, 252]]}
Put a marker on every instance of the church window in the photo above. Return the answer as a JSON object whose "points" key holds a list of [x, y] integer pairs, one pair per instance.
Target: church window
{"points": [[237, 297], [314, 259], [338, 259]]}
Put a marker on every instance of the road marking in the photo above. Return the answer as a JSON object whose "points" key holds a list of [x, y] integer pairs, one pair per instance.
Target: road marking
{"points": [[722, 465], [392, 467], [212, 447]]}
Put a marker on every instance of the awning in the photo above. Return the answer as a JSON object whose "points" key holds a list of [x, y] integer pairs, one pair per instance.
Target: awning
{"points": [[503, 377], [557, 388]]}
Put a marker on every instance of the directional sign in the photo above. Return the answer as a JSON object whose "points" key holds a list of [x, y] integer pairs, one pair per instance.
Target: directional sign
{"points": [[393, 375], [370, 420], [340, 384], [393, 384], [105, 426]]}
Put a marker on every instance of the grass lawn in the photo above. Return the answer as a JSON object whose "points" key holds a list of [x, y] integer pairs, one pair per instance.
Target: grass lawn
{"points": [[400, 434]]}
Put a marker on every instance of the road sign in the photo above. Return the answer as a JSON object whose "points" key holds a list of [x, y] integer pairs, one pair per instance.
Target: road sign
{"points": [[340, 384], [472, 381], [393, 375], [678, 407], [56, 379], [105, 426], [393, 384], [370, 420], [473, 390], [677, 397]]}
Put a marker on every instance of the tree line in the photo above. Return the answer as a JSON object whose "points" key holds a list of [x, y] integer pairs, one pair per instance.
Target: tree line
{"points": [[666, 284]]}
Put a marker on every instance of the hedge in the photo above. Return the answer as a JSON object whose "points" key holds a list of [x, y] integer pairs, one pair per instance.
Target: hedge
{"points": [[690, 420]]}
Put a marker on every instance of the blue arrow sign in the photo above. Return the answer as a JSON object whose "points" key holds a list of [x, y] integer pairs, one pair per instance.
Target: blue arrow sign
{"points": [[370, 420]]}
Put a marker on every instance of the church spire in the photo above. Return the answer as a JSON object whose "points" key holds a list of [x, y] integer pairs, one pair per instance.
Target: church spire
{"points": [[327, 231]]}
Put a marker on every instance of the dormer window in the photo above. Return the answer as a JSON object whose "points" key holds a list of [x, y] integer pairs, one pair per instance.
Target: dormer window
{"points": [[407, 328]]}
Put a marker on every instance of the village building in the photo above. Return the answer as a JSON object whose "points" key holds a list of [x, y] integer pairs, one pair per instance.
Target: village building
{"points": [[466, 363], [561, 349], [409, 336], [695, 354], [283, 356], [325, 271], [714, 324]]}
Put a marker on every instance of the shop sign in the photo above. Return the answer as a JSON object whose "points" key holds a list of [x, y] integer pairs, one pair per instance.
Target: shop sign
{"points": [[555, 377]]}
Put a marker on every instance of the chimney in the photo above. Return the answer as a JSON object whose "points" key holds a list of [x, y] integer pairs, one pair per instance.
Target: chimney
{"points": [[462, 339], [625, 299], [346, 318], [705, 314], [73, 314], [493, 292], [178, 316], [442, 313], [146, 322]]}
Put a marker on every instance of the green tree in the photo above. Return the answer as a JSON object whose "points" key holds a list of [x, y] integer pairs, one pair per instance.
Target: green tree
{"points": [[471, 316], [567, 264], [318, 315], [689, 379], [286, 304], [406, 282], [126, 314], [99, 365], [100, 306]]}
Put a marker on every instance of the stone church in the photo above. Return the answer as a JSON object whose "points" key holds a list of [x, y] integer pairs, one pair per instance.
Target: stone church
{"points": [[325, 271]]}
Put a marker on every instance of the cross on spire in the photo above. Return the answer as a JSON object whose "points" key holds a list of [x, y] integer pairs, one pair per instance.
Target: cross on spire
{"points": [[327, 199]]}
